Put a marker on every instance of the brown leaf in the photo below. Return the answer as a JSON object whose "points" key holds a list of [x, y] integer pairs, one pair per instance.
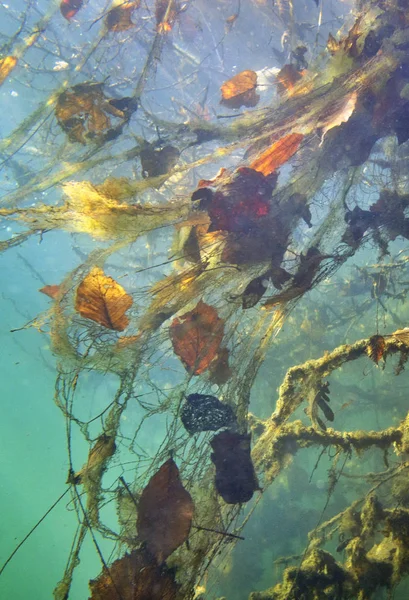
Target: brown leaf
{"points": [[50, 290], [134, 577], [219, 370], [103, 300], [165, 512], [158, 161], [82, 112], [7, 64], [376, 348], [287, 77], [277, 154], [240, 90], [69, 8], [119, 17], [196, 337]]}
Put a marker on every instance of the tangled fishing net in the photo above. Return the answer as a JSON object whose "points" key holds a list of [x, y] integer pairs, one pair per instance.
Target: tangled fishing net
{"points": [[233, 233]]}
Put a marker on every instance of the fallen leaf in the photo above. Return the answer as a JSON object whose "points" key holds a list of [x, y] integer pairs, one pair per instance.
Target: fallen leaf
{"points": [[119, 17], [158, 161], [219, 370], [240, 90], [84, 113], [103, 300], [376, 348], [69, 8], [165, 512], [50, 290], [196, 337], [7, 64], [235, 477], [287, 77], [277, 154], [135, 577], [254, 291]]}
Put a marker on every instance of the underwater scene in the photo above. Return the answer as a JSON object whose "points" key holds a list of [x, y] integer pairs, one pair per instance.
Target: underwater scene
{"points": [[204, 315]]}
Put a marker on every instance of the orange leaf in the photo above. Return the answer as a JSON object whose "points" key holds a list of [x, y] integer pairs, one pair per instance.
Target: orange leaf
{"points": [[165, 512], [103, 300], [240, 90], [7, 64], [196, 337], [376, 348], [287, 77], [119, 17], [50, 290], [133, 577], [277, 154]]}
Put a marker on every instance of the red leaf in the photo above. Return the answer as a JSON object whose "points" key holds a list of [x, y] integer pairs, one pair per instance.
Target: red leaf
{"points": [[69, 8], [50, 290], [165, 512], [239, 205], [196, 337], [277, 154]]}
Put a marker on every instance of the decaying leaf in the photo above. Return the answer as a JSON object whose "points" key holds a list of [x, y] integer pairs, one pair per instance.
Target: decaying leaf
{"points": [[196, 337], [119, 17], [277, 154], [135, 577], [287, 77], [158, 161], [50, 290], [240, 90], [165, 512], [84, 113], [69, 8], [103, 300], [219, 370], [254, 291], [376, 348], [235, 477], [202, 412], [347, 45], [7, 64]]}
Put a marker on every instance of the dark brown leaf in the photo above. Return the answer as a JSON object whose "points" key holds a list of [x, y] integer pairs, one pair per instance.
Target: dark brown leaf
{"points": [[235, 477], [69, 8], [165, 512], [119, 17], [134, 577]]}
